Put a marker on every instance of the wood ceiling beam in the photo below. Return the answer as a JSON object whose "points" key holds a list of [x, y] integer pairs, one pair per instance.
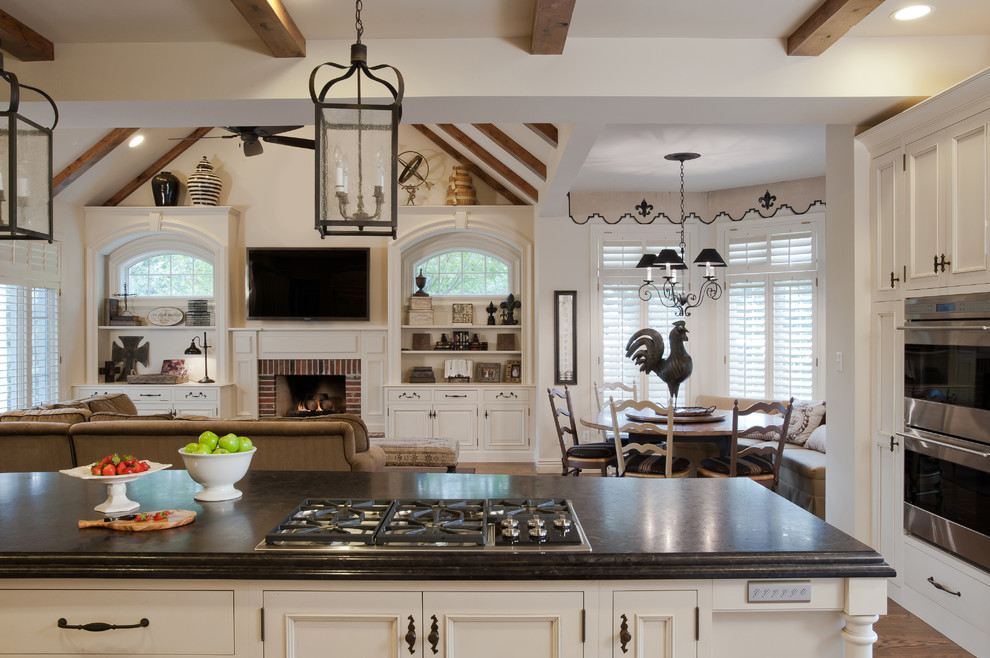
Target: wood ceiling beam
{"points": [[271, 22], [85, 162], [827, 24], [494, 163], [22, 42], [159, 164], [547, 131], [551, 20], [473, 168], [514, 148]]}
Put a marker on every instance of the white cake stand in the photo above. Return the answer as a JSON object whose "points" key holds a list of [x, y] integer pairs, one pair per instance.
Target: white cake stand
{"points": [[117, 500]]}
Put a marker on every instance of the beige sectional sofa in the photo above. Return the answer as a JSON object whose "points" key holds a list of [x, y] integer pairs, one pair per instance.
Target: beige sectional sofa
{"points": [[802, 468], [80, 432]]}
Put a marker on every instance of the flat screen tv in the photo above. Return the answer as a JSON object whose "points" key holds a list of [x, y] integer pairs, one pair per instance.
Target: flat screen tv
{"points": [[308, 284]]}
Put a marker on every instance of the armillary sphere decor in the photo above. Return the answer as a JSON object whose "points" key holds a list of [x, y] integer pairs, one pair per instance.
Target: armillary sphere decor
{"points": [[671, 294], [25, 169], [356, 145]]}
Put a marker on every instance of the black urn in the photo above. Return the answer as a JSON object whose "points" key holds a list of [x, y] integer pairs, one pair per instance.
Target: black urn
{"points": [[165, 189]]}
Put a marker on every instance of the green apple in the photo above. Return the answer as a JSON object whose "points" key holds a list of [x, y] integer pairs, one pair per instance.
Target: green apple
{"points": [[229, 442], [244, 444], [209, 439], [221, 451], [195, 449]]}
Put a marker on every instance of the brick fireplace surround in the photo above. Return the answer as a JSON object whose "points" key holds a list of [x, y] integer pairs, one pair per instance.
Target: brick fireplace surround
{"points": [[269, 368]]}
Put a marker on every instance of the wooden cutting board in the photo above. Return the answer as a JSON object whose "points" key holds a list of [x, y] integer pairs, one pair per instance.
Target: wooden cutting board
{"points": [[175, 518]]}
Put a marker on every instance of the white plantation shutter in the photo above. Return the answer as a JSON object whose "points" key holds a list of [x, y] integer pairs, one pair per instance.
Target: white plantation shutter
{"points": [[771, 285], [624, 313], [29, 360]]}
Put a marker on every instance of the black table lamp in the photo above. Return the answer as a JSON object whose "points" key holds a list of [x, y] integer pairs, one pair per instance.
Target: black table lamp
{"points": [[193, 349]]}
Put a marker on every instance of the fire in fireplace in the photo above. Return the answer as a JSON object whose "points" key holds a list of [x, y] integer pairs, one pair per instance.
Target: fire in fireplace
{"points": [[310, 395]]}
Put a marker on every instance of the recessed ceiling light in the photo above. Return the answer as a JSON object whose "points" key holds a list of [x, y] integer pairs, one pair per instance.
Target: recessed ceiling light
{"points": [[137, 139], [911, 12]]}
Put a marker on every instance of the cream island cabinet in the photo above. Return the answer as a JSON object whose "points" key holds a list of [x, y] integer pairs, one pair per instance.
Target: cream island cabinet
{"points": [[688, 568]]}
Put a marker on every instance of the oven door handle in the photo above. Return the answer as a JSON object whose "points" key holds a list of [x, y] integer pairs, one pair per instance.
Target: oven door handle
{"points": [[941, 444], [956, 327]]}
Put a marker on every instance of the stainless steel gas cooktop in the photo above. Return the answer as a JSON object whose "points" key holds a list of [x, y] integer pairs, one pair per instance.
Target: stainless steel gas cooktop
{"points": [[429, 525]]}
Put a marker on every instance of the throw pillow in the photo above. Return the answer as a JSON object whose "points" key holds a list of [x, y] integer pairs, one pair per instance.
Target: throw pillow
{"points": [[817, 439], [805, 417]]}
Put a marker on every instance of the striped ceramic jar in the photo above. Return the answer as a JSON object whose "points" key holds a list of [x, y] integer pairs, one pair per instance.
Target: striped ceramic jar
{"points": [[203, 185]]}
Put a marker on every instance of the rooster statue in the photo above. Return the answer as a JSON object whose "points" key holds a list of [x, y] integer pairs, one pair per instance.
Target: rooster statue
{"points": [[645, 348]]}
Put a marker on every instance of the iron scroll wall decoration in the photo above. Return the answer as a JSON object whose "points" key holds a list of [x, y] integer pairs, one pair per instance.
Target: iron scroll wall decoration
{"points": [[643, 210]]}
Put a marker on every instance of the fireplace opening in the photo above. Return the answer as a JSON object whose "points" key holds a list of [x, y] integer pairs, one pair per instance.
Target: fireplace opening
{"points": [[302, 396]]}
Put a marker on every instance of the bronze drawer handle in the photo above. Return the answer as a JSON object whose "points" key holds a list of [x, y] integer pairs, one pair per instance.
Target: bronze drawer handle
{"points": [[938, 585], [434, 636], [411, 635], [99, 626], [624, 635]]}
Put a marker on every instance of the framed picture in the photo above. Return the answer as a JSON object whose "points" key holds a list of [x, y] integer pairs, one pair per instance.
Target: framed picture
{"points": [[488, 373], [174, 367], [513, 371], [463, 314], [564, 336]]}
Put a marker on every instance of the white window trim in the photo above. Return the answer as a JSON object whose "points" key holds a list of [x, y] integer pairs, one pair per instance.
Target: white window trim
{"points": [[781, 223], [461, 240]]}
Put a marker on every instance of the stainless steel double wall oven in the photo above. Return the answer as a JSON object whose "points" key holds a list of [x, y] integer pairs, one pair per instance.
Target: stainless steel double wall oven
{"points": [[947, 423]]}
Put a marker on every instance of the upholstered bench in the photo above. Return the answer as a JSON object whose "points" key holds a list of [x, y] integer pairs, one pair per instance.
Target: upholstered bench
{"points": [[410, 453]]}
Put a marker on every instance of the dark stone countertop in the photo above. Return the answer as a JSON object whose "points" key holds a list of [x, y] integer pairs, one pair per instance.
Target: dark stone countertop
{"points": [[638, 529]]}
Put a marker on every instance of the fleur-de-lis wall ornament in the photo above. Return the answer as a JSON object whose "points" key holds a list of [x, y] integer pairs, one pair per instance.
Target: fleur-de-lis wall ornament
{"points": [[644, 209], [767, 200]]}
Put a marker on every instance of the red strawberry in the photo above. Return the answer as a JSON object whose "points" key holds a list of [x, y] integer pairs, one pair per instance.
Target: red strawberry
{"points": [[108, 470]]}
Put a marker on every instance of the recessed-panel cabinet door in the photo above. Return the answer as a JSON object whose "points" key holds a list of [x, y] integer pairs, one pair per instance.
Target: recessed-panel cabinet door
{"points": [[411, 421], [888, 267], [343, 624], [658, 624], [457, 421], [508, 427], [969, 201], [925, 210], [501, 624]]}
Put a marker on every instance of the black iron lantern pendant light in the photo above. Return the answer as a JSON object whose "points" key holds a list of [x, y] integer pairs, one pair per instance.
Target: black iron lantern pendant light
{"points": [[670, 262], [356, 146], [25, 169]]}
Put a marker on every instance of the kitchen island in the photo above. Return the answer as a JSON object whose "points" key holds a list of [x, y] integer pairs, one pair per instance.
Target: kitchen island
{"points": [[676, 568]]}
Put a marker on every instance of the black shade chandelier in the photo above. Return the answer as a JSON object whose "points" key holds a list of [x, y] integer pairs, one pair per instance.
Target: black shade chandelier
{"points": [[25, 169], [194, 349], [670, 294], [356, 145]]}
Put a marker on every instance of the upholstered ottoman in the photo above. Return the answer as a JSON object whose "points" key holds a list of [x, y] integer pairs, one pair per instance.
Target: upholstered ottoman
{"points": [[418, 453]]}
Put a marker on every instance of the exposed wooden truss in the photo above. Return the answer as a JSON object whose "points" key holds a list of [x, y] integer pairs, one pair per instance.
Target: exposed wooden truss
{"points": [[512, 147], [146, 175], [547, 131], [84, 162], [491, 161], [473, 168], [22, 42], [271, 22], [551, 20], [827, 24]]}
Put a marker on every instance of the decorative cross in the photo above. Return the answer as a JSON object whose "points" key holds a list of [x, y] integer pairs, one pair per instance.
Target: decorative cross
{"points": [[130, 354], [509, 307], [125, 295], [109, 371]]}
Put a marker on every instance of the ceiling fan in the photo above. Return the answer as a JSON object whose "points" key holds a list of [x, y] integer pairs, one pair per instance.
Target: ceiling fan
{"points": [[252, 136]]}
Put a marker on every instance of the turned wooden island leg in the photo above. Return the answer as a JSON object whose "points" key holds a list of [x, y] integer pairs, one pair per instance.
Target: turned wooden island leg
{"points": [[866, 600]]}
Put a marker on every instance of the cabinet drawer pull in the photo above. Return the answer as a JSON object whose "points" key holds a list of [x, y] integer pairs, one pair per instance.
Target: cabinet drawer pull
{"points": [[624, 635], [99, 626], [411, 635], [506, 395], [434, 636], [150, 395], [196, 394], [448, 395], [938, 585], [414, 396]]}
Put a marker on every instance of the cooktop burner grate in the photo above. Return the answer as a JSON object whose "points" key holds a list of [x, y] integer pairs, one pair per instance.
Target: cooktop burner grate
{"points": [[324, 520], [435, 521]]}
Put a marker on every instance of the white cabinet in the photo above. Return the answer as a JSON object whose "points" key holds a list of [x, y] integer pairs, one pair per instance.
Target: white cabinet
{"points": [[490, 423], [380, 624], [947, 187], [659, 624], [886, 180], [215, 400], [149, 622]]}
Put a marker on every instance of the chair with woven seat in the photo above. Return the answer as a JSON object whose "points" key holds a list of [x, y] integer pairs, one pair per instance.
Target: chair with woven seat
{"points": [[575, 456], [760, 461], [645, 460]]}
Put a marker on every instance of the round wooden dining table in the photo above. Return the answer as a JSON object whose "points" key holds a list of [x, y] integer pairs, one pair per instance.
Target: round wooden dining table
{"points": [[717, 429]]}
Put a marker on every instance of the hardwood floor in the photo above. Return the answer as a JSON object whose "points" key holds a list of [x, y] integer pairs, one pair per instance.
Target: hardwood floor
{"points": [[902, 634]]}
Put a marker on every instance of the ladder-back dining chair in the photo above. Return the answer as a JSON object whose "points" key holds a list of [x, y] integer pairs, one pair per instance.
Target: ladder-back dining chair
{"points": [[575, 456], [645, 460], [761, 461], [614, 389]]}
